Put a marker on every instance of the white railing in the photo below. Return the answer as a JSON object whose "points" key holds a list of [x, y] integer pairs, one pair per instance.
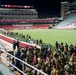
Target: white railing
{"points": [[20, 61]]}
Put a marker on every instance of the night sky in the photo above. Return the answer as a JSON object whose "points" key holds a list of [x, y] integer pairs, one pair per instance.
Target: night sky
{"points": [[44, 7]]}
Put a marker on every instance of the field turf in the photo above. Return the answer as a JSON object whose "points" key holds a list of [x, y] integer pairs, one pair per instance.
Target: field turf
{"points": [[51, 35]]}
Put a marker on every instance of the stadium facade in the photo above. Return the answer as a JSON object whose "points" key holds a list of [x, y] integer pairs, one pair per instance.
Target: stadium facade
{"points": [[67, 8], [22, 17], [17, 12]]}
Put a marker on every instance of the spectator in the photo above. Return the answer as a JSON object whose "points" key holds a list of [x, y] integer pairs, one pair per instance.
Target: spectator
{"points": [[53, 72], [40, 41], [67, 69], [66, 46], [22, 55], [34, 60], [17, 43], [17, 64], [17, 53], [14, 45], [57, 44]]}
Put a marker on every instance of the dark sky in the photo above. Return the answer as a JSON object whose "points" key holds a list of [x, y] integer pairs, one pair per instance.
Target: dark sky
{"points": [[44, 7]]}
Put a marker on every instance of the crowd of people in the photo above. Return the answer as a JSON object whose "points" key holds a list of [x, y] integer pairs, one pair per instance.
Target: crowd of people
{"points": [[61, 61], [58, 61], [26, 38]]}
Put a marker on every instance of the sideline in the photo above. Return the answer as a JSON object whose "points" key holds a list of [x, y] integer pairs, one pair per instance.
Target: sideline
{"points": [[21, 42]]}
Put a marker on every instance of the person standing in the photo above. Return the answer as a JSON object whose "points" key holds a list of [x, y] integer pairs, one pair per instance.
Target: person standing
{"points": [[17, 43], [14, 46]]}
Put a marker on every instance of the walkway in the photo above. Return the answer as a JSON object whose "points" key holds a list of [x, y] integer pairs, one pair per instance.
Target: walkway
{"points": [[4, 70]]}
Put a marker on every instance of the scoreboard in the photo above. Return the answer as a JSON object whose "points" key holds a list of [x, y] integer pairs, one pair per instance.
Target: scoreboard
{"points": [[16, 6]]}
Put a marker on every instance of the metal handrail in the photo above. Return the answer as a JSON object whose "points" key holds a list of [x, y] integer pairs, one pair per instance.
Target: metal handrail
{"points": [[22, 62], [13, 65]]}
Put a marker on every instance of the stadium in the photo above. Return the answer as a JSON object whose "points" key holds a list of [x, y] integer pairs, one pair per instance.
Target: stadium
{"points": [[30, 45]]}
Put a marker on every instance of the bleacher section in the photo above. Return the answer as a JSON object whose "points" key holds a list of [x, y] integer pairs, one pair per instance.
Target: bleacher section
{"points": [[71, 25], [21, 24], [22, 27], [66, 23], [28, 20]]}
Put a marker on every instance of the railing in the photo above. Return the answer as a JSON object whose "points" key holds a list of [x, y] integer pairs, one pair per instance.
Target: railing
{"points": [[23, 63]]}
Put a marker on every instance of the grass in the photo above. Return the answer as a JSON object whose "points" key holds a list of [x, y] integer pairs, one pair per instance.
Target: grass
{"points": [[51, 35]]}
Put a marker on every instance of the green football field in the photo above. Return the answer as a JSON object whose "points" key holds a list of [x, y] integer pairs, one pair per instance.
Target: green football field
{"points": [[51, 35]]}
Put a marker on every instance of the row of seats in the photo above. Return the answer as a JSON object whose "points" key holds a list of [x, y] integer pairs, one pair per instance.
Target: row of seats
{"points": [[68, 20], [71, 25], [27, 20], [21, 27]]}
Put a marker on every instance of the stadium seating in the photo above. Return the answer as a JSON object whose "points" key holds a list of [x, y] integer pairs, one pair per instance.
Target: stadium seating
{"points": [[44, 23], [71, 18], [7, 27], [28, 26], [28, 20], [71, 25]]}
